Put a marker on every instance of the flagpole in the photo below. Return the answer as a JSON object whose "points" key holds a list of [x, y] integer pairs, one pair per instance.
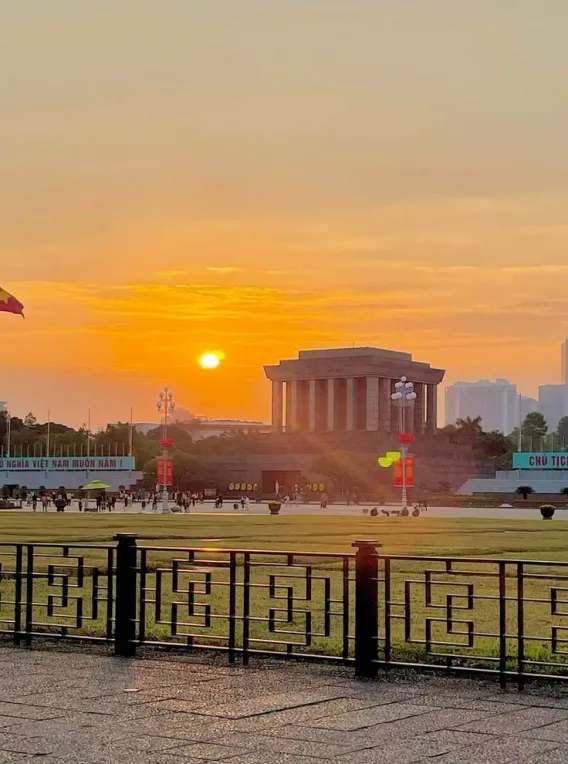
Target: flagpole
{"points": [[48, 432], [520, 444], [9, 433]]}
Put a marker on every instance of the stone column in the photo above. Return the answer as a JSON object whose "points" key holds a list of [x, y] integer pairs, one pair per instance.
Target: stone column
{"points": [[431, 409], [312, 405], [419, 389], [372, 403], [330, 405], [350, 403], [277, 395], [291, 406], [385, 404]]}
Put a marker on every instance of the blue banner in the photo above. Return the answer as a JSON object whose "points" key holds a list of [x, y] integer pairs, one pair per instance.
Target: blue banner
{"points": [[540, 460], [66, 463]]}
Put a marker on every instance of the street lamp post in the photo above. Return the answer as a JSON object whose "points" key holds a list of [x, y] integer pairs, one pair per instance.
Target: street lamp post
{"points": [[403, 398], [167, 404]]}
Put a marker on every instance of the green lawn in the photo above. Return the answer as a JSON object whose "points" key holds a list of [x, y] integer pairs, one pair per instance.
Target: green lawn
{"points": [[535, 539], [206, 582]]}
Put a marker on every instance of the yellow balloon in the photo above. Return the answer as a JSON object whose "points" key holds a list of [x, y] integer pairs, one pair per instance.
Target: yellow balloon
{"points": [[384, 461], [394, 456]]}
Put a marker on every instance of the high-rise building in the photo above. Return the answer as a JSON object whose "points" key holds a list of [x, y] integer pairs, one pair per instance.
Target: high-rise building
{"points": [[495, 402], [553, 399], [553, 404], [528, 406]]}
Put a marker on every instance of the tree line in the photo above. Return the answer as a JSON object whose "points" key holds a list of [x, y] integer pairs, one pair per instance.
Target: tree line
{"points": [[28, 437], [497, 447]]}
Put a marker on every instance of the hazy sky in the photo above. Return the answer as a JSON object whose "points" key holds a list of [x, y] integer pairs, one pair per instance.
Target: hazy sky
{"points": [[259, 176]]}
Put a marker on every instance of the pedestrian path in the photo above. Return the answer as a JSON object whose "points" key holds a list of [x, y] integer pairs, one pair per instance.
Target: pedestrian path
{"points": [[80, 707]]}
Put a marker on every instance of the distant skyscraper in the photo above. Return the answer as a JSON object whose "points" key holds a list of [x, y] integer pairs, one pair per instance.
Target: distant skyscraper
{"points": [[553, 404], [528, 405], [495, 402], [564, 357]]}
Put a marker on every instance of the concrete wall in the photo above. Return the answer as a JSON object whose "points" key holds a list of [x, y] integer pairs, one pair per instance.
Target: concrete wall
{"points": [[541, 481]]}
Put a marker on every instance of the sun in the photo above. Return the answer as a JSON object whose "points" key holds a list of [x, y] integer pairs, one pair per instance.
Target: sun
{"points": [[210, 360]]}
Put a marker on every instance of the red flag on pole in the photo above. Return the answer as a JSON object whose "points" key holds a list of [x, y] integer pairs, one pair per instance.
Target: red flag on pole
{"points": [[9, 304]]}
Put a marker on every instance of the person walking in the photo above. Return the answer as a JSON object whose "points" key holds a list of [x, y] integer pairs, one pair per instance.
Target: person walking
{"points": [[34, 502], [44, 503]]}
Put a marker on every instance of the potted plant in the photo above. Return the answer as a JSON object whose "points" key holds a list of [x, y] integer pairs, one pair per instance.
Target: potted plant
{"points": [[547, 511], [274, 507]]}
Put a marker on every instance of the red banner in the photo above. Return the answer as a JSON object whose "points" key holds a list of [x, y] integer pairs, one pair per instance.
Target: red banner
{"points": [[397, 472], [165, 471]]}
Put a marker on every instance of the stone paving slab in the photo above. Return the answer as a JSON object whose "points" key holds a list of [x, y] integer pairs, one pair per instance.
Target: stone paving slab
{"points": [[82, 708]]}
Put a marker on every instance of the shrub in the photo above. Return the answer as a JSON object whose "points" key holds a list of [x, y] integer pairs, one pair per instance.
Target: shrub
{"points": [[525, 491]]}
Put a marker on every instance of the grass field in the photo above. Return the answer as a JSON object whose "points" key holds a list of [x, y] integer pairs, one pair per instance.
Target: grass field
{"points": [[272, 583], [535, 539]]}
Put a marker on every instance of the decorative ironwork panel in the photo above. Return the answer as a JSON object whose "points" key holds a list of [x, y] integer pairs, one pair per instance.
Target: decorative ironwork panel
{"points": [[11, 566], [542, 618], [245, 602], [299, 604], [187, 597], [60, 591], [501, 616]]}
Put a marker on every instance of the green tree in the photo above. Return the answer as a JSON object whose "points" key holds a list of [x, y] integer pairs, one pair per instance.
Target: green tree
{"points": [[466, 431], [30, 421], [496, 447], [533, 433], [3, 428], [534, 429], [562, 431]]}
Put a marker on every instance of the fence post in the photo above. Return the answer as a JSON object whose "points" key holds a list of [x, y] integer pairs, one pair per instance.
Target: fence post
{"points": [[125, 601], [366, 608]]}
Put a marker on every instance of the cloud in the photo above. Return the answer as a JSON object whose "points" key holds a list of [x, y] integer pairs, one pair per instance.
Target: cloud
{"points": [[224, 269], [170, 274]]}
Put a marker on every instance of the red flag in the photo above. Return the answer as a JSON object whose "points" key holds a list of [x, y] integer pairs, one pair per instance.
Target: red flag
{"points": [[9, 304]]}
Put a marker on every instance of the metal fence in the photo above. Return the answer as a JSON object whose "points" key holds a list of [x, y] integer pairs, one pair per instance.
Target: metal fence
{"points": [[502, 617]]}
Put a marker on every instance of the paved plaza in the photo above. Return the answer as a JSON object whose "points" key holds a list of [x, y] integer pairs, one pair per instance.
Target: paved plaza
{"points": [[90, 708], [342, 510]]}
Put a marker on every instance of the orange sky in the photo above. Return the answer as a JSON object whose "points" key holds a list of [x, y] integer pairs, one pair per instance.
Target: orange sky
{"points": [[194, 175]]}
